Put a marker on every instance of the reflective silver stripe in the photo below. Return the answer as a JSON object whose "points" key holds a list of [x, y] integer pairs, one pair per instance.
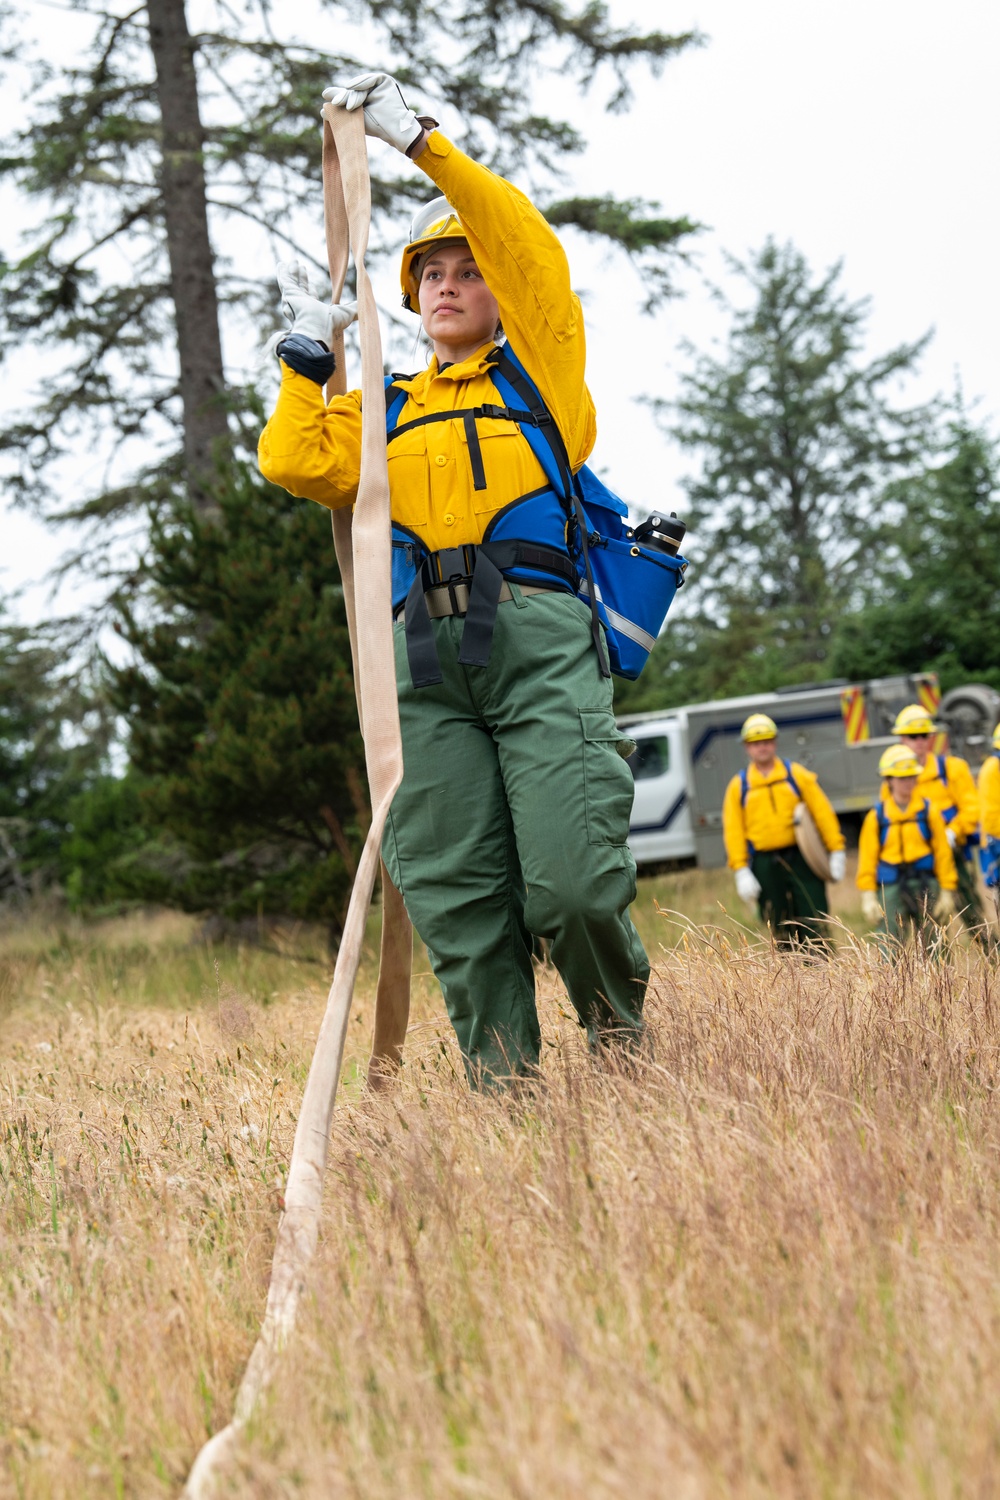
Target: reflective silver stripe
{"points": [[618, 622]]}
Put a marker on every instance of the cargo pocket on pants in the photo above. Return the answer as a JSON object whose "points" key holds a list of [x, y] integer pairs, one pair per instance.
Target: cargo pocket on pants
{"points": [[608, 785]]}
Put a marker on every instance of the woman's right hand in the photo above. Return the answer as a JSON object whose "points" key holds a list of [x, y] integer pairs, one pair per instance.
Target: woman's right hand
{"points": [[305, 312]]}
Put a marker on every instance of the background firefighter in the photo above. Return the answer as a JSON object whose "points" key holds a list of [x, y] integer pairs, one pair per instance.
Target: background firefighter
{"points": [[512, 817], [947, 782], [906, 869], [758, 825], [989, 805]]}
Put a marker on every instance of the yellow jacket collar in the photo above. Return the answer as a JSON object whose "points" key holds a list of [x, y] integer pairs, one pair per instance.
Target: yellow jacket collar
{"points": [[476, 364], [897, 814], [756, 777]]}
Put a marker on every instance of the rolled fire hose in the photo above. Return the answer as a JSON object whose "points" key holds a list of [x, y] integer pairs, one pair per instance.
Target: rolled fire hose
{"points": [[810, 842], [364, 555]]}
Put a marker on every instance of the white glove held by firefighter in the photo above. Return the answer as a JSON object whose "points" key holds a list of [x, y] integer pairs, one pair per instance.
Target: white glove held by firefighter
{"points": [[747, 885], [870, 908], [944, 906], [305, 312], [952, 837], [387, 115], [838, 864]]}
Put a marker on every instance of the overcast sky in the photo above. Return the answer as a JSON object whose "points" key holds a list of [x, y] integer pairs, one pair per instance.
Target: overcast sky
{"points": [[863, 132]]}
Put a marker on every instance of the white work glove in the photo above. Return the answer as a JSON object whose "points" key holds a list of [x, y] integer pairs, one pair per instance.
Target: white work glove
{"points": [[747, 885], [944, 906], [387, 115], [306, 313], [838, 864], [870, 909], [952, 837]]}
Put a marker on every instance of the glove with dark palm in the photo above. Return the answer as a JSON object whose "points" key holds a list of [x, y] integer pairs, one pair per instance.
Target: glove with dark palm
{"points": [[305, 348]]}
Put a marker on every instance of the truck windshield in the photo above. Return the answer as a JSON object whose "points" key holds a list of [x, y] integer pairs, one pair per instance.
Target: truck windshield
{"points": [[650, 758]]}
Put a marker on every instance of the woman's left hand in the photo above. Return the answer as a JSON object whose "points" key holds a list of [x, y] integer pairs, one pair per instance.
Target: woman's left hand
{"points": [[387, 115]]}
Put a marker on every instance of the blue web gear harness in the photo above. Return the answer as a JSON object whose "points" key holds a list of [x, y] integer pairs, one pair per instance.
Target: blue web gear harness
{"points": [[570, 535], [745, 789], [889, 874]]}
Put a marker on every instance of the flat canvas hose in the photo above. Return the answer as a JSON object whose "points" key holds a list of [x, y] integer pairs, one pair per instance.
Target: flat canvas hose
{"points": [[392, 997], [364, 551]]}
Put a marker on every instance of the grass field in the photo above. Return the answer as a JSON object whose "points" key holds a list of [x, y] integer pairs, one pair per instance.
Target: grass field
{"points": [[765, 1265]]}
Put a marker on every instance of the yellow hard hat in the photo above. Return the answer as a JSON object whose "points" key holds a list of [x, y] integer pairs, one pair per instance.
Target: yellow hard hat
{"points": [[913, 719], [898, 760], [758, 727], [436, 222], [996, 738]]}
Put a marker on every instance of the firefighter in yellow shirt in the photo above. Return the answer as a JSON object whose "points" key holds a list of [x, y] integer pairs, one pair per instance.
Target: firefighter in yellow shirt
{"points": [[906, 869], [512, 817], [946, 781], [758, 826], [989, 802]]}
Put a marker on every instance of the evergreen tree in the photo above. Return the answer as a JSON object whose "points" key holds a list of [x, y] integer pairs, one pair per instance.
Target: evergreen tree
{"points": [[241, 710], [931, 600], [798, 438], [53, 742]]}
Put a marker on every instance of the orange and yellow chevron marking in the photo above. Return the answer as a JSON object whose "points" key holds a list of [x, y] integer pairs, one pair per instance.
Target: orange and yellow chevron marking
{"points": [[929, 693], [855, 712]]}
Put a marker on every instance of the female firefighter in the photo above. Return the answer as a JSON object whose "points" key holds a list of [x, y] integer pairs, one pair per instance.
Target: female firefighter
{"points": [[512, 817], [906, 870]]}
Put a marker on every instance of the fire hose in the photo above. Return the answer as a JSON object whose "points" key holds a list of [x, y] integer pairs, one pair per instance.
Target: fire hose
{"points": [[363, 544]]}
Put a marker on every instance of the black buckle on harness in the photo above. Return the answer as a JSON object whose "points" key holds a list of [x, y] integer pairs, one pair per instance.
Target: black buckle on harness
{"points": [[451, 565], [481, 567]]}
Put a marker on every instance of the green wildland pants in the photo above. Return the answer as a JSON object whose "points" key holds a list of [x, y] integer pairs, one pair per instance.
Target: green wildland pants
{"points": [[968, 902], [511, 821], [792, 899], [907, 906]]}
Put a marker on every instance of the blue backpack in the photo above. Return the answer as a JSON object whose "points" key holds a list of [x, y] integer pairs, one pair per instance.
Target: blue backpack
{"points": [[578, 539], [888, 874]]}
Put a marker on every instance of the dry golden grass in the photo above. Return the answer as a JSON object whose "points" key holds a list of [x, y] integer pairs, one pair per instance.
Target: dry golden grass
{"points": [[766, 1263]]}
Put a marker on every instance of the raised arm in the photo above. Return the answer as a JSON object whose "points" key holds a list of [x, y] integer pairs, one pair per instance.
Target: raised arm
{"points": [[525, 267], [518, 254]]}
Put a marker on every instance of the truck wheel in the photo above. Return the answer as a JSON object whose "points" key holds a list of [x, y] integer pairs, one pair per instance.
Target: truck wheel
{"points": [[970, 713]]}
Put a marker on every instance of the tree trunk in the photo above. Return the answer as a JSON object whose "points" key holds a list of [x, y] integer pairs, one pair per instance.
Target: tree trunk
{"points": [[192, 277]]}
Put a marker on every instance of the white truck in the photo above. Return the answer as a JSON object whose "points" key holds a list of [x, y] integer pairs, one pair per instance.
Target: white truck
{"points": [[685, 757]]}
